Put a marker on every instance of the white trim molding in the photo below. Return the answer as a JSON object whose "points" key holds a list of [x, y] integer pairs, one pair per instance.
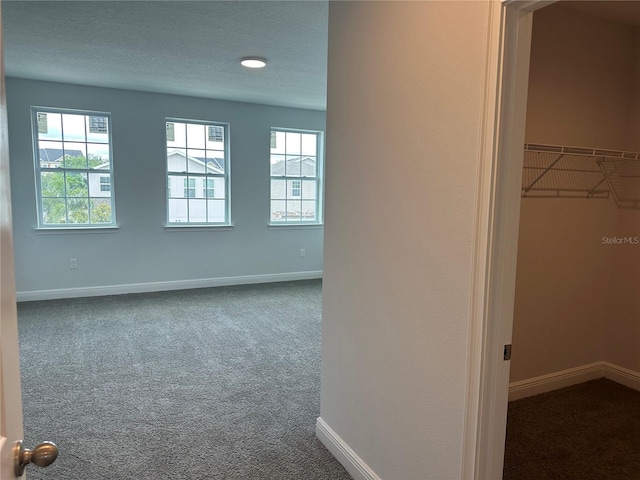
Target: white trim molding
{"points": [[349, 459], [164, 286], [572, 376], [624, 376]]}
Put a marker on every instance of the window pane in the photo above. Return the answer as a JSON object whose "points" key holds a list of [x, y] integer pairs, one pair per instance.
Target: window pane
{"points": [[77, 185], [54, 211], [278, 210], [220, 187], [49, 126], [197, 210], [195, 135], [308, 167], [178, 210], [278, 189], [309, 144], [309, 189], [98, 156], [215, 162], [277, 142], [293, 189], [100, 210], [293, 166], [293, 143], [171, 134], [97, 128], [179, 135], [177, 186], [189, 187], [50, 154], [208, 188], [308, 210], [216, 211], [99, 185], [196, 160], [177, 160], [215, 137], [78, 210], [293, 210], [75, 155], [73, 127], [277, 165], [52, 184]]}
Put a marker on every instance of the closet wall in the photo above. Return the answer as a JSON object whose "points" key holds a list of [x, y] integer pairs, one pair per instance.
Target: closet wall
{"points": [[623, 339], [623, 333], [576, 297]]}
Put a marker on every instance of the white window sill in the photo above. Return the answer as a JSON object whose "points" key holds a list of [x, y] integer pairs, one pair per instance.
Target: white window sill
{"points": [[74, 230], [295, 225], [187, 227]]}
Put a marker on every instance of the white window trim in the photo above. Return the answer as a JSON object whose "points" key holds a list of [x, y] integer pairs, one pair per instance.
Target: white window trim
{"points": [[226, 176], [83, 227], [319, 182]]}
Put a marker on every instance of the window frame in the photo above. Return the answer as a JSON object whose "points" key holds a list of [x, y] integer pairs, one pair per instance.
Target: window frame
{"points": [[203, 176], [38, 169], [318, 177]]}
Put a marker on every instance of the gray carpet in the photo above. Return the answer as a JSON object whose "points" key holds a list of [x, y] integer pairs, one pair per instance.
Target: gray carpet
{"points": [[220, 383], [589, 431]]}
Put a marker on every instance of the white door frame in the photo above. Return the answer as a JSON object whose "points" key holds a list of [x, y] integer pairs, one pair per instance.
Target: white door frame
{"points": [[10, 398], [496, 236]]}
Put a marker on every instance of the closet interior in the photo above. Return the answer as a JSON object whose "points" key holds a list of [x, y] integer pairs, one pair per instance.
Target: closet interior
{"points": [[577, 301]]}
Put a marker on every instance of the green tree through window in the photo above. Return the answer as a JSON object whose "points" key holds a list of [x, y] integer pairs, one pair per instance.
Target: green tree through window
{"points": [[72, 167]]}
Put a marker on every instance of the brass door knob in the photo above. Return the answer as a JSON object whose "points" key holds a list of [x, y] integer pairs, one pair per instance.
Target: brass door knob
{"points": [[42, 455]]}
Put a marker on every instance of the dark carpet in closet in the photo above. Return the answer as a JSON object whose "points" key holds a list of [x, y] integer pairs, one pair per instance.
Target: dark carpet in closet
{"points": [[585, 431]]}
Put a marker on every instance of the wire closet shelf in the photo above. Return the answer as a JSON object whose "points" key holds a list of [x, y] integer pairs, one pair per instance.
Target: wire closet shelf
{"points": [[570, 172]]}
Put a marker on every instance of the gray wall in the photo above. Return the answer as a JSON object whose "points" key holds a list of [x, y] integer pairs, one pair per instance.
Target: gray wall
{"points": [[142, 254]]}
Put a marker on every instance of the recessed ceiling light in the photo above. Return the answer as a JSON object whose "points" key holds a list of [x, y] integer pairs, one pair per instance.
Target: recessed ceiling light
{"points": [[253, 62]]}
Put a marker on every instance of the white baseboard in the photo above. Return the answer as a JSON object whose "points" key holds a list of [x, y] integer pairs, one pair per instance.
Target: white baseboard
{"points": [[164, 286], [622, 375], [349, 459], [572, 376]]}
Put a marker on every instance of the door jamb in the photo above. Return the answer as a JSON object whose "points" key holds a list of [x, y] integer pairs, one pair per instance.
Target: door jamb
{"points": [[496, 235]]}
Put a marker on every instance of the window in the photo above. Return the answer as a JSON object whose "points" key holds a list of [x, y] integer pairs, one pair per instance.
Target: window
{"points": [[216, 134], [171, 133], [295, 188], [98, 124], [105, 184], [296, 168], [209, 188], [190, 188], [73, 168], [197, 159]]}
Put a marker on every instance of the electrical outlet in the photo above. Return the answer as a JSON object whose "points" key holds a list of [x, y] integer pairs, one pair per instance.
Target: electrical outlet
{"points": [[303, 252], [73, 263]]}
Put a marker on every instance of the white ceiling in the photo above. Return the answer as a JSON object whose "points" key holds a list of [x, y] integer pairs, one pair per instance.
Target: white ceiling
{"points": [[179, 47], [191, 47]]}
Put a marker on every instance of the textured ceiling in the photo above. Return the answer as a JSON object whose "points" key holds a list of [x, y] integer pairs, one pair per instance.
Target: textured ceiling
{"points": [[179, 47], [191, 48]]}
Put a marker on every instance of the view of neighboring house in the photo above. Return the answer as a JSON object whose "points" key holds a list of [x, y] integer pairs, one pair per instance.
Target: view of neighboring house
{"points": [[196, 188], [99, 183], [293, 188]]}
